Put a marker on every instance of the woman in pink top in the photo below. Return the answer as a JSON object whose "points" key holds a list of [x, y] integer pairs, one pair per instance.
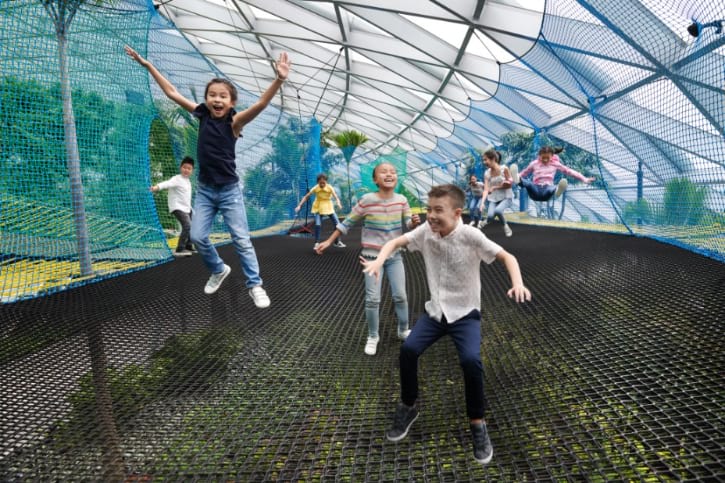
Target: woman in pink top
{"points": [[544, 168]]}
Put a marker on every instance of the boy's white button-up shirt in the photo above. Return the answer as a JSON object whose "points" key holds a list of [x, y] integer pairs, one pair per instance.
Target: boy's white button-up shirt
{"points": [[452, 267]]}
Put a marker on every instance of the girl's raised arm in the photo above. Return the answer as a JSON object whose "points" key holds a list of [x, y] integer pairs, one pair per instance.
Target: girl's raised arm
{"points": [[162, 81], [245, 116]]}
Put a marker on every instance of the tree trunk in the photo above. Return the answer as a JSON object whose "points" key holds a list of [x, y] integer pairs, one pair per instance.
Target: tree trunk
{"points": [[73, 160]]}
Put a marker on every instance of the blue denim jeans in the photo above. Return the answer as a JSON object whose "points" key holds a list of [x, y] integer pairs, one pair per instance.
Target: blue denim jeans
{"points": [[318, 223], [466, 334], [228, 201], [474, 208], [496, 208], [538, 192], [394, 269]]}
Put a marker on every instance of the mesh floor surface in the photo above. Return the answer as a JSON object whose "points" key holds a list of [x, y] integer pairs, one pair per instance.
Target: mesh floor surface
{"points": [[613, 372]]}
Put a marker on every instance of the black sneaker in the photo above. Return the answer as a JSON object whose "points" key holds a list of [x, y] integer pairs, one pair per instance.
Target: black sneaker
{"points": [[482, 449], [404, 417]]}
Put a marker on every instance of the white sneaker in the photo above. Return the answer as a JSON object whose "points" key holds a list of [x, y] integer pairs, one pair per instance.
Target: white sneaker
{"points": [[371, 346], [514, 170], [507, 230], [316, 245], [259, 295], [338, 243], [216, 279], [482, 224], [473, 222], [561, 187], [404, 335]]}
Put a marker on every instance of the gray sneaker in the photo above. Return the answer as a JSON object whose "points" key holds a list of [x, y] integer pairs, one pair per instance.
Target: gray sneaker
{"points": [[216, 279], [403, 419], [561, 187], [482, 448]]}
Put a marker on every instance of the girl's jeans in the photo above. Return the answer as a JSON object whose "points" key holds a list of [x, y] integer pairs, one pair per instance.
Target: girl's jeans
{"points": [[466, 334], [394, 269], [474, 208], [318, 223], [538, 192], [496, 208], [228, 201]]}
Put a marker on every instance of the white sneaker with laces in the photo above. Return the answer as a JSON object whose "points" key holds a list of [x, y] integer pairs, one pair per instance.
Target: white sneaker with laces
{"points": [[371, 346], [260, 297], [216, 279], [561, 187], [507, 230]]}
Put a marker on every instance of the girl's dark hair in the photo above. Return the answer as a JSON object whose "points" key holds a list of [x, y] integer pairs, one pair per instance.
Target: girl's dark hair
{"points": [[493, 154], [452, 191], [550, 150], [321, 176], [226, 82], [187, 160]]}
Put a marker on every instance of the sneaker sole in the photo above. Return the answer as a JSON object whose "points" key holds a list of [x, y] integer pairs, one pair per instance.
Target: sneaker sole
{"points": [[484, 461], [398, 438]]}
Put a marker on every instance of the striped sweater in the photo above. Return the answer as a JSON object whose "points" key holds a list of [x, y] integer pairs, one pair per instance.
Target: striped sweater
{"points": [[383, 220]]}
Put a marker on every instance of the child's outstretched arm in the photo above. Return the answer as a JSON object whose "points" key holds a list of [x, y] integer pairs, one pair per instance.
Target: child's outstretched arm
{"points": [[372, 267], [326, 244], [302, 202], [162, 81], [242, 118], [518, 291]]}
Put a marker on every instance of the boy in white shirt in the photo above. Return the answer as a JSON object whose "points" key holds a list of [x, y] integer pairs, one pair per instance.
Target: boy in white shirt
{"points": [[179, 198], [448, 247]]}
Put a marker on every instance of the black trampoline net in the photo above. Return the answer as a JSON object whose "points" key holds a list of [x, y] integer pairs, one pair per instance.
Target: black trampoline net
{"points": [[613, 372]]}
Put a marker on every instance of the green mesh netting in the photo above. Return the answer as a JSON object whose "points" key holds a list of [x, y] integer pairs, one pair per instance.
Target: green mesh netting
{"points": [[397, 158], [76, 204], [633, 104]]}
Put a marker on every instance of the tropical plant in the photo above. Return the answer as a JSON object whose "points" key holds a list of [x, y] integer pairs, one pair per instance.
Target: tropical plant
{"points": [[348, 141], [684, 202]]}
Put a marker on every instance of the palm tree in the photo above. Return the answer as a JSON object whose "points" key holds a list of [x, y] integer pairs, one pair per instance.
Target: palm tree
{"points": [[348, 142]]}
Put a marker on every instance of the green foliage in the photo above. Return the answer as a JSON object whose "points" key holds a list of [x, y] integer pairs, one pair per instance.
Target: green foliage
{"points": [[638, 211], [684, 202]]}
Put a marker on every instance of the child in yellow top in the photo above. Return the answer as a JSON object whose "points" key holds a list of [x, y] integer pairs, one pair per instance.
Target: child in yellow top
{"points": [[322, 206]]}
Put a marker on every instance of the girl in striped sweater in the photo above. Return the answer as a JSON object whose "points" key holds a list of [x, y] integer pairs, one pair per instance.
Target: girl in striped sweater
{"points": [[384, 213]]}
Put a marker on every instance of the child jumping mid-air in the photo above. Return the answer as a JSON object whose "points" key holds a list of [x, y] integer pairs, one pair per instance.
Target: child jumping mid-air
{"points": [[218, 190], [544, 169], [179, 201], [448, 246], [384, 213]]}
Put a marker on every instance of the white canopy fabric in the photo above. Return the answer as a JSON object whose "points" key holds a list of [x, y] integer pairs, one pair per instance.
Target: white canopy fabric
{"points": [[620, 78]]}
